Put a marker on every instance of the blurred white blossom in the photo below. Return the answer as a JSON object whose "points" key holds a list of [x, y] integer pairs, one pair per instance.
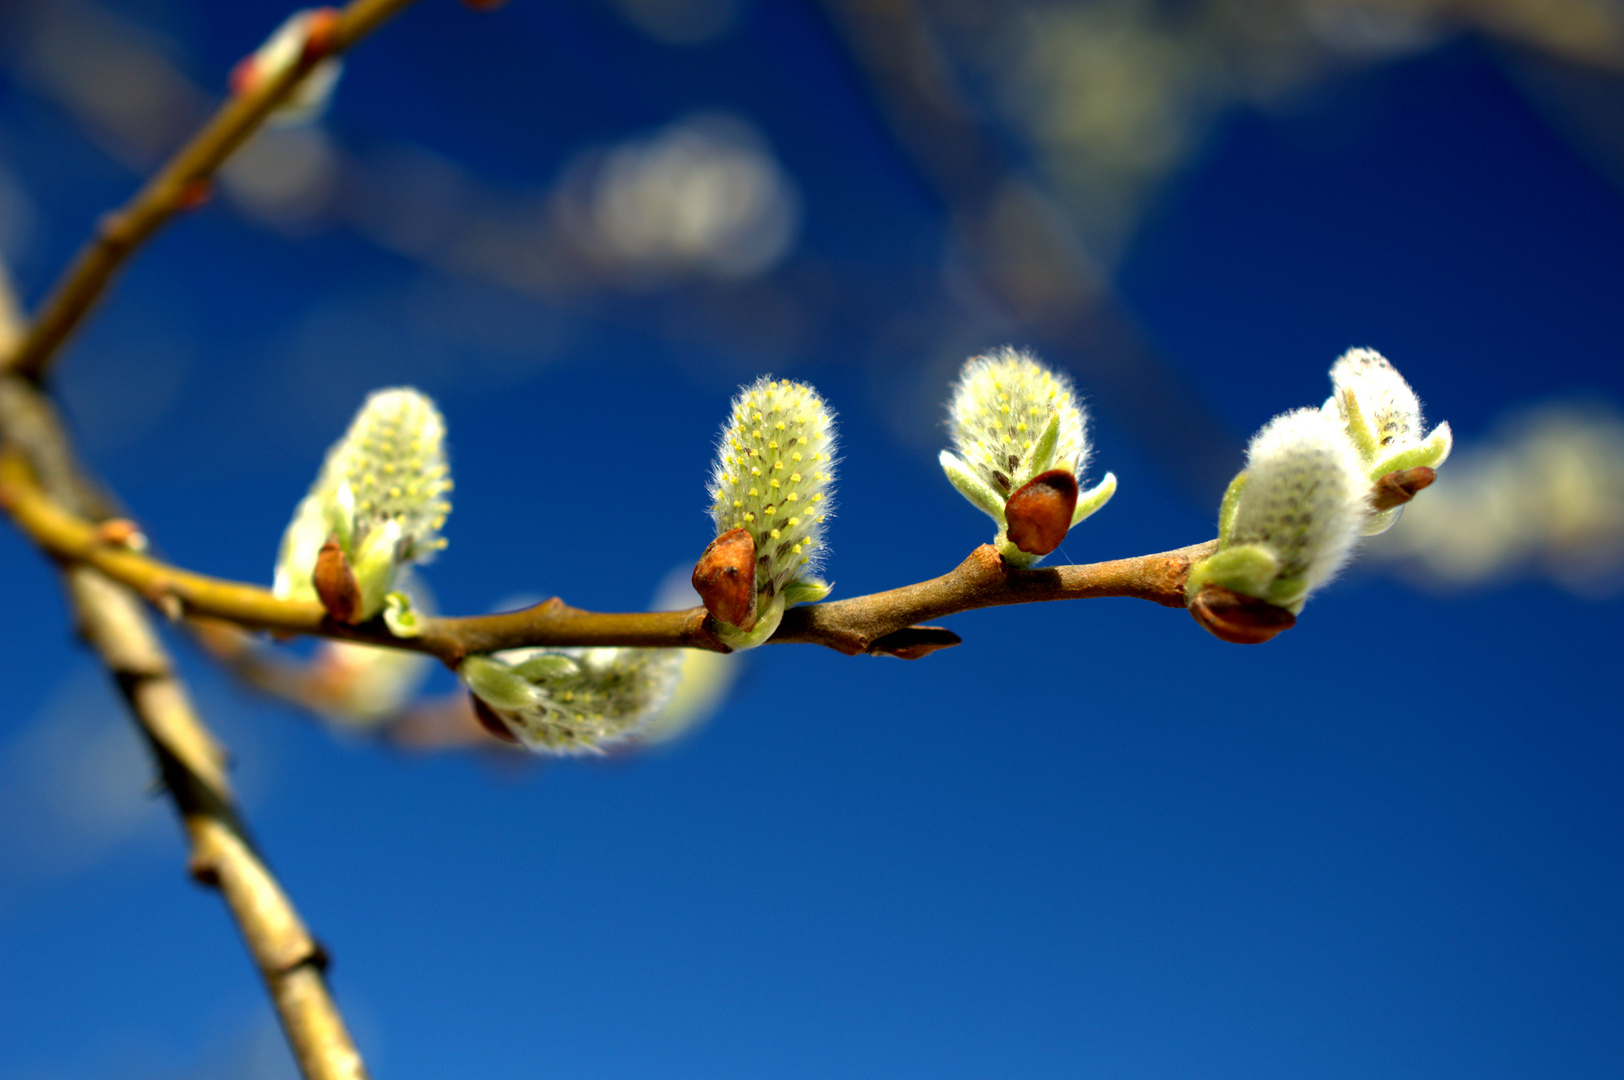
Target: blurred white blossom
{"points": [[702, 196], [1544, 495]]}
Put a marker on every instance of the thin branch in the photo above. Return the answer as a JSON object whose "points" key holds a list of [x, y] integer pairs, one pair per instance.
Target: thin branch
{"points": [[190, 761], [176, 186], [192, 765], [881, 623]]}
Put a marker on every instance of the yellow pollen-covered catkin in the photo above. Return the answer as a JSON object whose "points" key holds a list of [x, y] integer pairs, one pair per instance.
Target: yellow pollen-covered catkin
{"points": [[780, 424]]}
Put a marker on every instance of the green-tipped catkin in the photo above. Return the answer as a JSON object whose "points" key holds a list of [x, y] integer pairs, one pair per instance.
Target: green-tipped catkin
{"points": [[381, 496], [574, 701], [773, 477], [1382, 417], [1012, 419], [1292, 518]]}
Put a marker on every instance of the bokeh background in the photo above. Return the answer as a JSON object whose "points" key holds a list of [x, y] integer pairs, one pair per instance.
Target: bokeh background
{"points": [[1091, 841]]}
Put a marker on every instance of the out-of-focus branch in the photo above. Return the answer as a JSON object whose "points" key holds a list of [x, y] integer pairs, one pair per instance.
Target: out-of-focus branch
{"points": [[192, 765], [880, 623], [1020, 247], [181, 183], [290, 961]]}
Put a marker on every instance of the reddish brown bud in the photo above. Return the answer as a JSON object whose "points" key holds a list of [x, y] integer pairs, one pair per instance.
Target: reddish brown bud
{"points": [[484, 5], [205, 870], [490, 721], [1398, 488], [321, 33], [1238, 618], [120, 532], [194, 193], [725, 578], [244, 76], [335, 583], [1039, 512]]}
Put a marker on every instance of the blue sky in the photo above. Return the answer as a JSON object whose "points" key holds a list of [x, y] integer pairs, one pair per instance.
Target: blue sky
{"points": [[1091, 841]]}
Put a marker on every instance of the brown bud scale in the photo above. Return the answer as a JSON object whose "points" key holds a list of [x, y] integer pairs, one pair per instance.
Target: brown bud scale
{"points": [[1237, 618], [1039, 512], [1398, 488], [120, 532], [336, 585], [194, 193], [321, 33], [725, 578], [490, 721]]}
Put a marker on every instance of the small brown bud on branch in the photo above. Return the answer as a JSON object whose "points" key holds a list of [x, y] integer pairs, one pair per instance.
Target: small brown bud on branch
{"points": [[1238, 618], [491, 722], [725, 578], [913, 642], [321, 33], [1039, 511], [194, 193], [1398, 488], [121, 532], [335, 584]]}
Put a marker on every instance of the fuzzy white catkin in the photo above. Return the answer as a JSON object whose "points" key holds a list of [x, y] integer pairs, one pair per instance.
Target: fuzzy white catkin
{"points": [[1382, 417], [774, 475], [386, 478], [1305, 499], [1391, 408], [1000, 406], [574, 701]]}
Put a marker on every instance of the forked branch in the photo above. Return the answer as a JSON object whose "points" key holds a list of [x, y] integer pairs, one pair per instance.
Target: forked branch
{"points": [[221, 855], [190, 762], [181, 183]]}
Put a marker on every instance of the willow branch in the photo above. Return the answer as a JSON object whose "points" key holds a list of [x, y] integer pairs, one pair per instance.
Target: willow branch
{"points": [[176, 186], [881, 623], [192, 766]]}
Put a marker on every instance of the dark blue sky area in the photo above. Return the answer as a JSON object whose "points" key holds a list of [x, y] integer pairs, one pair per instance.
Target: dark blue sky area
{"points": [[1092, 841]]}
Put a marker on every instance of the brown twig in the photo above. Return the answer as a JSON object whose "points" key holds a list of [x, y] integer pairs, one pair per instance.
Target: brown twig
{"points": [[179, 184], [191, 763], [192, 766], [879, 624]]}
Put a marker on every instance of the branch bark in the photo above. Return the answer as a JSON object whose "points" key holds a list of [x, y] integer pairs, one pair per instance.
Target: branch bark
{"points": [[192, 766], [883, 623], [114, 622], [172, 189]]}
